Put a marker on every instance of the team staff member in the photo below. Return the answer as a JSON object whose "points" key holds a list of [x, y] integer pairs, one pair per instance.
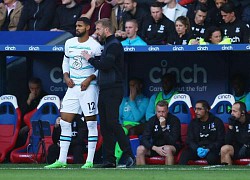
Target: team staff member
{"points": [[110, 80], [161, 136], [82, 92], [238, 135], [205, 136], [234, 28]]}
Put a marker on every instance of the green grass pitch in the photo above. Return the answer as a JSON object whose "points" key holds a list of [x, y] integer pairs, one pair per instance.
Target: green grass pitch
{"points": [[36, 171]]}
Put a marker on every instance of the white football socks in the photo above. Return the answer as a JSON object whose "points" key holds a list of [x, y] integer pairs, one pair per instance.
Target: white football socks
{"points": [[65, 139]]}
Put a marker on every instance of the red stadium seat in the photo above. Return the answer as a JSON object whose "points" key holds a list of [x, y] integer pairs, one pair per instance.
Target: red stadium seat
{"points": [[41, 123], [10, 122]]}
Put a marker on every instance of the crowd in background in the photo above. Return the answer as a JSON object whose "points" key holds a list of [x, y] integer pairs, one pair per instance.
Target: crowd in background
{"points": [[156, 22]]}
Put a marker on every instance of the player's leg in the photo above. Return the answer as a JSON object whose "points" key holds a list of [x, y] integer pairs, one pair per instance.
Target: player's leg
{"points": [[89, 108], [70, 107]]}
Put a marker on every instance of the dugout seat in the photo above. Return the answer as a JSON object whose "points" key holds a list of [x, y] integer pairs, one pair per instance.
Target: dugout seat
{"points": [[180, 105], [41, 123], [10, 122], [222, 106]]}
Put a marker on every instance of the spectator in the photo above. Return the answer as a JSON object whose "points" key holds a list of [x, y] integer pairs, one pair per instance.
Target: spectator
{"points": [[66, 16], [198, 24], [132, 111], [28, 104], [182, 36], [131, 28], [168, 90], [205, 136], [192, 7], [10, 12], [116, 18], [162, 136], [37, 15], [110, 80], [238, 135], [172, 10], [77, 145], [134, 11], [96, 10], [238, 83], [213, 35], [234, 28], [157, 28], [214, 15]]}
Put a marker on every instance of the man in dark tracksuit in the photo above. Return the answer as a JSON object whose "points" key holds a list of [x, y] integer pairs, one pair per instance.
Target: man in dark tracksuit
{"points": [[161, 136], [110, 81], [238, 135], [205, 136]]}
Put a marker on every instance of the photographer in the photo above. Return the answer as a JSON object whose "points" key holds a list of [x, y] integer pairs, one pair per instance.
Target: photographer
{"points": [[238, 135]]}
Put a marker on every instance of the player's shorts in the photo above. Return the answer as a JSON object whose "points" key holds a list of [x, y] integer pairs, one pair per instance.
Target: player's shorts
{"points": [[76, 101]]}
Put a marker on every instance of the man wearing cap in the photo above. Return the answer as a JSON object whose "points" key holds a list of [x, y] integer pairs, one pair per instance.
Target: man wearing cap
{"points": [[82, 93]]}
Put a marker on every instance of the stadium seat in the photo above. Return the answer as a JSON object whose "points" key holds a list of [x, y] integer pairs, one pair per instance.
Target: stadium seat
{"points": [[41, 123], [180, 105], [10, 122], [222, 105]]}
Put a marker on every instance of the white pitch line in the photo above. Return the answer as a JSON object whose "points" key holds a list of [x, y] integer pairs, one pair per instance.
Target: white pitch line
{"points": [[217, 168]]}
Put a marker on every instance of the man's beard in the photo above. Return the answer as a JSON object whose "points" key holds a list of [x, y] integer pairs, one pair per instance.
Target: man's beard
{"points": [[80, 34]]}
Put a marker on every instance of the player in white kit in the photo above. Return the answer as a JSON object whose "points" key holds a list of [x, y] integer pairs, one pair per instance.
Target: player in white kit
{"points": [[82, 92]]}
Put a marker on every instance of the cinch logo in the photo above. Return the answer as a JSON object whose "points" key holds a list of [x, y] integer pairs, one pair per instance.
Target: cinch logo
{"points": [[10, 48], [7, 98], [179, 96], [248, 47], [151, 48], [223, 96], [176, 48], [202, 48], [49, 98], [185, 75], [129, 49], [34, 48], [55, 48], [225, 47], [235, 39], [55, 75]]}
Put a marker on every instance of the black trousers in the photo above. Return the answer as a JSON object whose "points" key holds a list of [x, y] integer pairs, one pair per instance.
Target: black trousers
{"points": [[111, 129], [188, 154]]}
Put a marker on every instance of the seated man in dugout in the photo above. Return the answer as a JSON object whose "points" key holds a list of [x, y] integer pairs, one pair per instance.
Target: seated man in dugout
{"points": [[161, 136], [205, 136], [237, 141]]}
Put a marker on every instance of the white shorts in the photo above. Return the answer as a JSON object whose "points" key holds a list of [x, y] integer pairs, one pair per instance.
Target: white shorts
{"points": [[77, 102]]}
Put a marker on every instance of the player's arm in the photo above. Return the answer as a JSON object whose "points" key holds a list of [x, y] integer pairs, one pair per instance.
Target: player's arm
{"points": [[85, 84], [65, 67]]}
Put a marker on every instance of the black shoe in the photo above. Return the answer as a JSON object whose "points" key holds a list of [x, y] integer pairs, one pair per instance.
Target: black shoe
{"points": [[129, 162], [108, 165]]}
